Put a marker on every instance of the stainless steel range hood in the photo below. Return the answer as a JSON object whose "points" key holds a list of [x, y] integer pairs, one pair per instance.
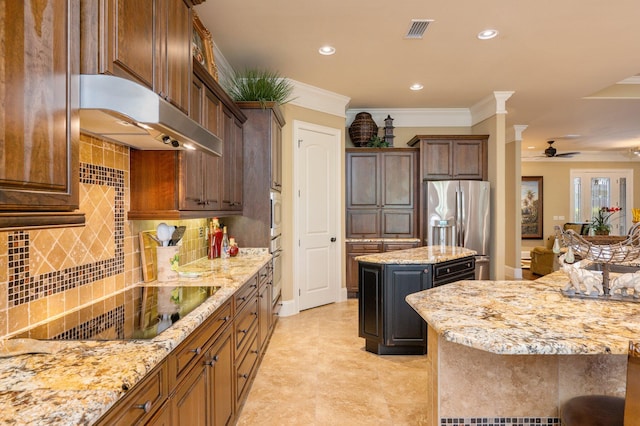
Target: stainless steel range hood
{"points": [[125, 112]]}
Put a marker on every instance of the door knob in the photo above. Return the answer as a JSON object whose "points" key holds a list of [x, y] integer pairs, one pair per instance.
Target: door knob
{"points": [[333, 239]]}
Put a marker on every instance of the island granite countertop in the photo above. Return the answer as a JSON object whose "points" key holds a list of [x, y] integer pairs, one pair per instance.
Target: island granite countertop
{"points": [[418, 256], [80, 381], [527, 317]]}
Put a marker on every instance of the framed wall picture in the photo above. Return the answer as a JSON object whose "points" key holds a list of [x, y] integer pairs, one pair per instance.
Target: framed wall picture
{"points": [[202, 46], [531, 207]]}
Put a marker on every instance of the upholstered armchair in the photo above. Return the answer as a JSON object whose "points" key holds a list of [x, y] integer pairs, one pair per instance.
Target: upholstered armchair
{"points": [[542, 258]]}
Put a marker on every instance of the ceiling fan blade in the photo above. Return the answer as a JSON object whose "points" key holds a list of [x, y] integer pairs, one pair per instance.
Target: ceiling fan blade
{"points": [[567, 154]]}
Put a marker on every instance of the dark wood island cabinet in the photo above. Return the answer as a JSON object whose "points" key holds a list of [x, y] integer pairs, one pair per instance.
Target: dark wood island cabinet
{"points": [[386, 321]]}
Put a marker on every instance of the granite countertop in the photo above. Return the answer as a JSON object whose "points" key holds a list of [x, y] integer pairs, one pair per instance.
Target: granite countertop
{"points": [[80, 381], [527, 317], [417, 256], [382, 240]]}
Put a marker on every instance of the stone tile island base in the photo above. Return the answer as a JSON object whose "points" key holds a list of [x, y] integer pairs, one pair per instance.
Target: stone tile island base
{"points": [[469, 384]]}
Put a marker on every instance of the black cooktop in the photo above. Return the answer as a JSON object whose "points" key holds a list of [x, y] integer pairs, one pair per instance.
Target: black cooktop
{"points": [[138, 313]]}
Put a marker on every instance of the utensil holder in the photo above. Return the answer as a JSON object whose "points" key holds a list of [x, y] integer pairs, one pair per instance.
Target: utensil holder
{"points": [[168, 261]]}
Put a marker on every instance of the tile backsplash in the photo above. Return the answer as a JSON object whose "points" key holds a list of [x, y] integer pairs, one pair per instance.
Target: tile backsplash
{"points": [[46, 273]]}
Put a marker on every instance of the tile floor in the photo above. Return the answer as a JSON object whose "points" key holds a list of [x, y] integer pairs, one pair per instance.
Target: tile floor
{"points": [[316, 372]]}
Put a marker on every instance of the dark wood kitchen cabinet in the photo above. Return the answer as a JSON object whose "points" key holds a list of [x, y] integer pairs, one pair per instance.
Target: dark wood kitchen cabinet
{"points": [[262, 141], [194, 184], [39, 172], [144, 402], [145, 41], [264, 130], [385, 320], [452, 157], [231, 175], [382, 189], [173, 184]]}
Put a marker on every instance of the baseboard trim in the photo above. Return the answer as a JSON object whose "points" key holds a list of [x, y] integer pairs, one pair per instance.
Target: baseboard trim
{"points": [[512, 273], [288, 308]]}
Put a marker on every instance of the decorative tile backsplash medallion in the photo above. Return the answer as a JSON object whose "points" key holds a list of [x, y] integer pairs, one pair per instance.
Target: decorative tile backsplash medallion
{"points": [[100, 243], [500, 421]]}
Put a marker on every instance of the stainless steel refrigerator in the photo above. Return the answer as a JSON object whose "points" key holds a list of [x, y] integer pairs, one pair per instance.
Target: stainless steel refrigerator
{"points": [[457, 214]]}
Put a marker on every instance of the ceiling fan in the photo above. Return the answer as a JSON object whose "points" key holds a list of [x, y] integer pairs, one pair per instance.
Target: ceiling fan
{"points": [[552, 152]]}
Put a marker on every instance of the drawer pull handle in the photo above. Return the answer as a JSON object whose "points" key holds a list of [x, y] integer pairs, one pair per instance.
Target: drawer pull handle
{"points": [[243, 298], [244, 376], [255, 314], [244, 331], [196, 350], [254, 352], [254, 286], [146, 407], [212, 361]]}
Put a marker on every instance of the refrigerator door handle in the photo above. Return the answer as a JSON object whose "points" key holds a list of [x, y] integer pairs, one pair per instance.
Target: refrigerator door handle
{"points": [[460, 213]]}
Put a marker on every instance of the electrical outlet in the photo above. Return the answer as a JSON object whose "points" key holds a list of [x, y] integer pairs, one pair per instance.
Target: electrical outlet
{"points": [[201, 232], [561, 217], [555, 218]]}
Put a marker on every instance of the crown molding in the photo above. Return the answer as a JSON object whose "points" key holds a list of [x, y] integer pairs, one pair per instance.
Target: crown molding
{"points": [[416, 117], [311, 97], [489, 106]]}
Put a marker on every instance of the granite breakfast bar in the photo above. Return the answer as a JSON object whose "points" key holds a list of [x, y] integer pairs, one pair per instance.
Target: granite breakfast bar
{"points": [[516, 350]]}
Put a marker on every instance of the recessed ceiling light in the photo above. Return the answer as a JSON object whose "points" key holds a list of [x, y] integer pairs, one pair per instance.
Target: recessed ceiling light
{"points": [[327, 50], [416, 86], [487, 34]]}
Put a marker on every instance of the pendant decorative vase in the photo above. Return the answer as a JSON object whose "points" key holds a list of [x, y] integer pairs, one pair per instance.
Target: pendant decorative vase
{"points": [[362, 129]]}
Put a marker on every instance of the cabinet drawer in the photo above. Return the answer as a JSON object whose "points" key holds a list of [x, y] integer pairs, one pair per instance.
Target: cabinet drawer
{"points": [[145, 399], [245, 367], [264, 275], [449, 270], [364, 247], [400, 246], [246, 293], [188, 352], [245, 324]]}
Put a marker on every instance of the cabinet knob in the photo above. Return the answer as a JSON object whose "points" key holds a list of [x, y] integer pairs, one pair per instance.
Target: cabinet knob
{"points": [[333, 239], [146, 407], [426, 271], [212, 361], [243, 331], [196, 350], [244, 376]]}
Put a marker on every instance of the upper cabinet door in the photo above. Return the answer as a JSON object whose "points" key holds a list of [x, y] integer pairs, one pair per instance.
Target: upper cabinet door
{"points": [[39, 134], [174, 66], [147, 41], [399, 179], [363, 180], [129, 43]]}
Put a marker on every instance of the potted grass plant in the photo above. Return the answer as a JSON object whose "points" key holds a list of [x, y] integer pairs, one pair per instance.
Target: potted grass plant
{"points": [[259, 85]]}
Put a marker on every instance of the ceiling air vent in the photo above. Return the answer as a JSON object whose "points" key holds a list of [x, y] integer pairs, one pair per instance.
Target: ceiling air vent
{"points": [[417, 28]]}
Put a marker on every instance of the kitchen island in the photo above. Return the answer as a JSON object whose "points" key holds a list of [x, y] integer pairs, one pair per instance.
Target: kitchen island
{"points": [[519, 349], [80, 381], [386, 322]]}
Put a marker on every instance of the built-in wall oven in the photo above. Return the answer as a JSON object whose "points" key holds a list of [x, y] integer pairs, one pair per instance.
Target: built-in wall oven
{"points": [[276, 244], [276, 214]]}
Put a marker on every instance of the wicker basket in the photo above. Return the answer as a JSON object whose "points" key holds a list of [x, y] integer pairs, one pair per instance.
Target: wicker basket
{"points": [[362, 129]]}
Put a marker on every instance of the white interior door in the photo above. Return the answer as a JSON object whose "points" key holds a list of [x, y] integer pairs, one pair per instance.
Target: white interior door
{"points": [[317, 213]]}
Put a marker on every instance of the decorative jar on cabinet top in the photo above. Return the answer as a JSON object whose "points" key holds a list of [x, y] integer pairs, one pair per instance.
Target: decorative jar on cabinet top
{"points": [[362, 129]]}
